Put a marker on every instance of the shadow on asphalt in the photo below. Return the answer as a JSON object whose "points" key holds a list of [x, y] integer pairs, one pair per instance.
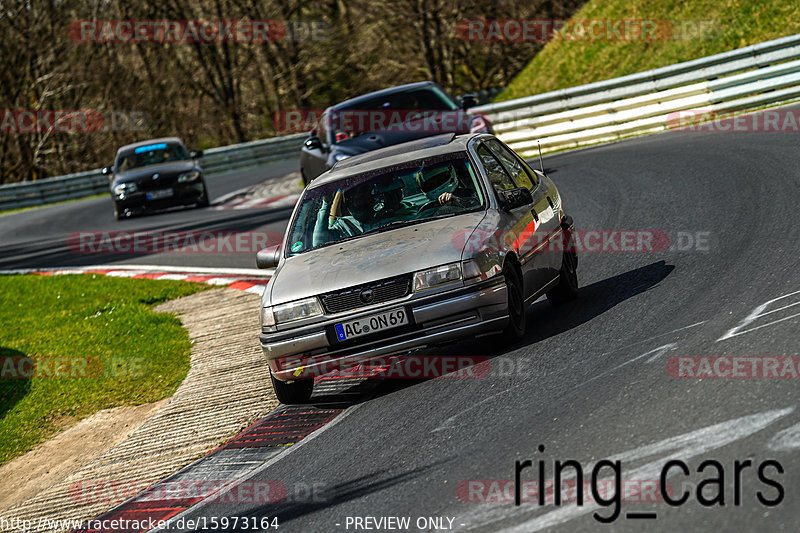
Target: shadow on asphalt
{"points": [[338, 494], [593, 300]]}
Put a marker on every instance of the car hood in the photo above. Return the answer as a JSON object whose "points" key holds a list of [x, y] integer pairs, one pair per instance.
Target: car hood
{"points": [[167, 169], [399, 251], [367, 142]]}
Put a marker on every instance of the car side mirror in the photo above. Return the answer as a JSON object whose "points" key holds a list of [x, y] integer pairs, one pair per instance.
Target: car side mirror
{"points": [[269, 257], [514, 198], [105, 171], [468, 100], [196, 154], [313, 143]]}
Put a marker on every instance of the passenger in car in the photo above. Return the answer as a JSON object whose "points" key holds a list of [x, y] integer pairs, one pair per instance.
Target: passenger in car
{"points": [[360, 209]]}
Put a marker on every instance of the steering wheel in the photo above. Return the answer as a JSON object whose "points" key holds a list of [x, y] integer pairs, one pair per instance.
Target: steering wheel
{"points": [[455, 202], [428, 205]]}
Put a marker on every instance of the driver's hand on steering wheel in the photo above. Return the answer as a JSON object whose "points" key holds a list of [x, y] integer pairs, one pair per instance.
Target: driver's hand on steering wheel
{"points": [[446, 198], [336, 207]]}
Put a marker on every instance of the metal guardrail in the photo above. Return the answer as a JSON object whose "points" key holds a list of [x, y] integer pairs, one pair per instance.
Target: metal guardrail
{"points": [[214, 161], [741, 79]]}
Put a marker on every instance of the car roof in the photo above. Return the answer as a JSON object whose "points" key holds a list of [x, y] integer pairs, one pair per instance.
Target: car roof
{"points": [[446, 143], [383, 92], [169, 140]]}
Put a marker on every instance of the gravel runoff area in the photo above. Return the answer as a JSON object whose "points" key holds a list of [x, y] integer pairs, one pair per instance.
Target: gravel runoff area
{"points": [[226, 389]]}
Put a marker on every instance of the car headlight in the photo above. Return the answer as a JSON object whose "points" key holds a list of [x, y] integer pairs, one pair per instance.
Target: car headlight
{"points": [[188, 176], [339, 157], [426, 279], [288, 312], [124, 188]]}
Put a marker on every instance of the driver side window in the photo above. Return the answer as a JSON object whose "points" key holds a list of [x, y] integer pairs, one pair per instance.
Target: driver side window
{"points": [[500, 179], [520, 174]]}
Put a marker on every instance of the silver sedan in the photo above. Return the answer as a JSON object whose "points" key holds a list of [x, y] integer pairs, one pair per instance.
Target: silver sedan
{"points": [[411, 246]]}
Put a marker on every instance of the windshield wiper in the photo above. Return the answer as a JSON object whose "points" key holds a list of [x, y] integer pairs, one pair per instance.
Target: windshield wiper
{"points": [[390, 225], [403, 223]]}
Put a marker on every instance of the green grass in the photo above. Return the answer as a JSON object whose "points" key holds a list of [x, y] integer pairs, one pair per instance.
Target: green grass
{"points": [[97, 344], [732, 24]]}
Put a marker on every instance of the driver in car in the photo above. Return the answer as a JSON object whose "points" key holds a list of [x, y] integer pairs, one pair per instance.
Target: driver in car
{"points": [[442, 188], [369, 206]]}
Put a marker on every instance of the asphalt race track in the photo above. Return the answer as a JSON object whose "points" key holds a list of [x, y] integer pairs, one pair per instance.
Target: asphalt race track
{"points": [[590, 381], [39, 237]]}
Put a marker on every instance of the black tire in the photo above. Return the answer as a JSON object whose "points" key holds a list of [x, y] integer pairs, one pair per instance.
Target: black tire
{"points": [[517, 323], [567, 288], [117, 215], [294, 392], [303, 178]]}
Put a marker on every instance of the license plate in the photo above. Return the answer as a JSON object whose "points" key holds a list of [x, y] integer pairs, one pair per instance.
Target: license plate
{"points": [[156, 195], [371, 324]]}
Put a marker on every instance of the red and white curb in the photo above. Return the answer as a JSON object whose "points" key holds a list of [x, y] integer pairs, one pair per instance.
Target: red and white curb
{"points": [[272, 194], [287, 200], [245, 279]]}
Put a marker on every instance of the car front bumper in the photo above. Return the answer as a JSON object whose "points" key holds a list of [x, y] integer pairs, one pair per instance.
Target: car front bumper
{"points": [[182, 194], [312, 351]]}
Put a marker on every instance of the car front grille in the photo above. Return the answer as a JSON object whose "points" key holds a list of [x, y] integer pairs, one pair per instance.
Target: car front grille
{"points": [[164, 181], [382, 291]]}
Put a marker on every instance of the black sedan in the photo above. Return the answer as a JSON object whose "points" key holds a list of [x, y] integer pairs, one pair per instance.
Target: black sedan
{"points": [[385, 118], [156, 174]]}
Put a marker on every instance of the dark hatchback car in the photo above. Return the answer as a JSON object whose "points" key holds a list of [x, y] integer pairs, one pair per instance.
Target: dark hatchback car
{"points": [[155, 174], [385, 118]]}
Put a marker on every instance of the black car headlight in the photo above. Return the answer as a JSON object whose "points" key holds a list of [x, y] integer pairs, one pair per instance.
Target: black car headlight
{"points": [[188, 176], [121, 189]]}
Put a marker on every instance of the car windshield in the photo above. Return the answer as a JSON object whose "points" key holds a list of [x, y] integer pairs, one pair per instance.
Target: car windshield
{"points": [[379, 201], [429, 98], [151, 154], [381, 113]]}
